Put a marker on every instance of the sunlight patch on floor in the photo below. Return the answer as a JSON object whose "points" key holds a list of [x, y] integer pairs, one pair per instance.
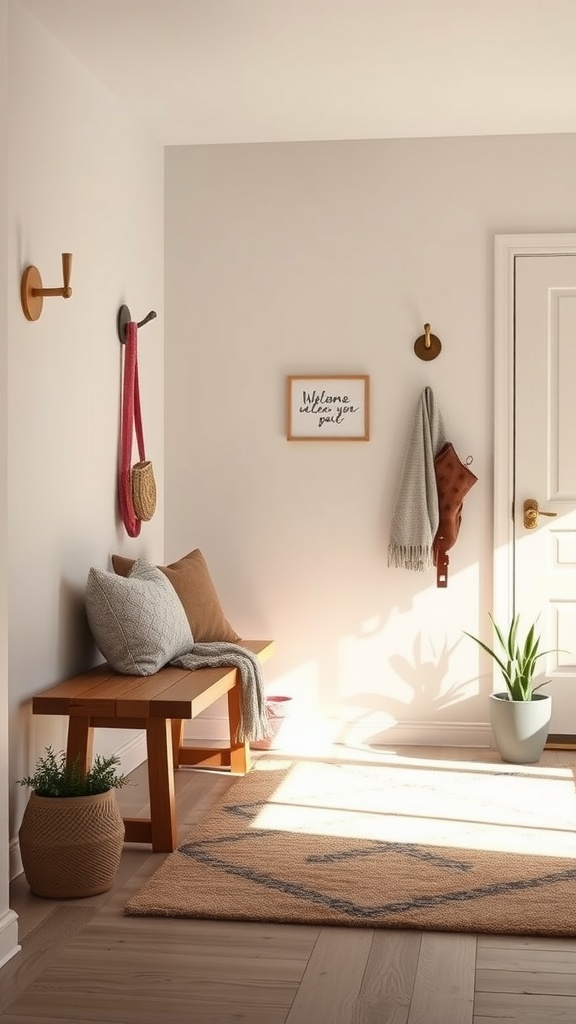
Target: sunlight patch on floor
{"points": [[461, 805]]}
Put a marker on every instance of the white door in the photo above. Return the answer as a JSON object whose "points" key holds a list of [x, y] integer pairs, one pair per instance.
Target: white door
{"points": [[544, 468]]}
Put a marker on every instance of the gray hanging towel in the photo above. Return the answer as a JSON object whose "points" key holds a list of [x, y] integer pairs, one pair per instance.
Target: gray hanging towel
{"points": [[416, 515]]}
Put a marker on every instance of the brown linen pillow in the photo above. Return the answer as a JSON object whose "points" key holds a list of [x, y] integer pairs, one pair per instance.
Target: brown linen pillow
{"points": [[192, 582]]}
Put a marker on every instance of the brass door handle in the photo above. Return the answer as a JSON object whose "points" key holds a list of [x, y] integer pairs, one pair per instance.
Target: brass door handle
{"points": [[532, 512]]}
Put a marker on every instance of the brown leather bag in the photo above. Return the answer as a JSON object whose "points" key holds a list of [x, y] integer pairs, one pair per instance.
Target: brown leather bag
{"points": [[453, 480]]}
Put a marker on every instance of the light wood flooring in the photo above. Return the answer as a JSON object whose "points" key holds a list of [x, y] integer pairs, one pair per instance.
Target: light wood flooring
{"points": [[82, 960]]}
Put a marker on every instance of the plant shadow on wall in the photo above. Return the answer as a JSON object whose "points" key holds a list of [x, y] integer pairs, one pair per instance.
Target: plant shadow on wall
{"points": [[425, 685]]}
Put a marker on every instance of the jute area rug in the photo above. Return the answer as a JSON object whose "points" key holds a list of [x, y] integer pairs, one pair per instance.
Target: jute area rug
{"points": [[447, 847]]}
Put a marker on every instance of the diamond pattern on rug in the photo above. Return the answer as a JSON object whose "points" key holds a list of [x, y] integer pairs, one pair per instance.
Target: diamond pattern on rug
{"points": [[468, 847]]}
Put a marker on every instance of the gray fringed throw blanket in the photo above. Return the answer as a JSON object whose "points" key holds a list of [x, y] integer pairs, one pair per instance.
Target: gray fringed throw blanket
{"points": [[416, 515], [254, 723]]}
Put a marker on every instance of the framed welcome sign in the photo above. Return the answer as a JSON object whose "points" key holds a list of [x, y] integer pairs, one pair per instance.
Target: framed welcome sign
{"points": [[330, 408]]}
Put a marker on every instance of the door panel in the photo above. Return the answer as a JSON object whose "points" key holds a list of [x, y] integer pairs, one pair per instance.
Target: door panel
{"points": [[545, 467]]}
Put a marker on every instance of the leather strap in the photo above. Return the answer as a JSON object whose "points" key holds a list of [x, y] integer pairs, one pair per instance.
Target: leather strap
{"points": [[131, 417], [453, 481], [442, 562]]}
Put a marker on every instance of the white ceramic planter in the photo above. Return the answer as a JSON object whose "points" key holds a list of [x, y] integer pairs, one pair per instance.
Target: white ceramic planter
{"points": [[520, 727]]}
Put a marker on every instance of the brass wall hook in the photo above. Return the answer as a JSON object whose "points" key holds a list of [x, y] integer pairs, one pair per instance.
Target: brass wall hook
{"points": [[32, 293], [427, 346]]}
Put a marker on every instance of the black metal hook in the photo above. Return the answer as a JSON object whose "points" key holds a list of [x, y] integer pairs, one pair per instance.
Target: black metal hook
{"points": [[124, 318]]}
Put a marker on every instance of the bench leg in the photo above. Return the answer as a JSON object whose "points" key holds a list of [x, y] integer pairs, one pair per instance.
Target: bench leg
{"points": [[177, 738], [80, 742], [239, 749], [161, 784]]}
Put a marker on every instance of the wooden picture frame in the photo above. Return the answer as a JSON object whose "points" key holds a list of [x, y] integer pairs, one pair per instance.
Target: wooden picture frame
{"points": [[329, 407]]}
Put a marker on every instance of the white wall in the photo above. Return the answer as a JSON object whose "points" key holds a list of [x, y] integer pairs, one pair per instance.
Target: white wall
{"points": [[8, 922], [329, 258], [83, 178]]}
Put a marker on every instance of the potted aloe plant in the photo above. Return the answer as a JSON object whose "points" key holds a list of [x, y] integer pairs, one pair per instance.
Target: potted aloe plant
{"points": [[519, 715], [72, 833]]}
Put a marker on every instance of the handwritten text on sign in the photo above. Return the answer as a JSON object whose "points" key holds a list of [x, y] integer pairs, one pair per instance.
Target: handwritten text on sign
{"points": [[328, 407]]}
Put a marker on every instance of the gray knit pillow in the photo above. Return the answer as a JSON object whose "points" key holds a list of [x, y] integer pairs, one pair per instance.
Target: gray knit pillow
{"points": [[138, 621]]}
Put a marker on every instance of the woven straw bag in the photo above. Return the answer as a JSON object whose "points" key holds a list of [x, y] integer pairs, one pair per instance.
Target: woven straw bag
{"points": [[136, 484], [143, 490]]}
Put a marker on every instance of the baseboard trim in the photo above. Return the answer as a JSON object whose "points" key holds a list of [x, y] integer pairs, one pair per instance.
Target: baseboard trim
{"points": [[132, 753], [422, 734], [373, 733], [14, 859], [9, 944]]}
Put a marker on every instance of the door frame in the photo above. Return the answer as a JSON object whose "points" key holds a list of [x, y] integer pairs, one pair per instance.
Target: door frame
{"points": [[507, 249]]}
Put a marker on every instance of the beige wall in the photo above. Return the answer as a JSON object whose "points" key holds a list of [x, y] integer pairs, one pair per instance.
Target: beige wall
{"points": [[321, 258], [84, 178], [8, 923]]}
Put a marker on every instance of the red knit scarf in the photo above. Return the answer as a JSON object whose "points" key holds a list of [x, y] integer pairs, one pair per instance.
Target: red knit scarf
{"points": [[131, 417]]}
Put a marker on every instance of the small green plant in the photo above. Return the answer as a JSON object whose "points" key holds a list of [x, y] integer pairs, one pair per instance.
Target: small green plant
{"points": [[53, 777], [516, 658]]}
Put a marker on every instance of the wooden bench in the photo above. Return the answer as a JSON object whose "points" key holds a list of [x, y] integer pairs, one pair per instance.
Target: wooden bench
{"points": [[160, 704]]}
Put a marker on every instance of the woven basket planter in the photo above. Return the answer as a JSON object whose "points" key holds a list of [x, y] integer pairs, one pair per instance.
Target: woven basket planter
{"points": [[71, 846]]}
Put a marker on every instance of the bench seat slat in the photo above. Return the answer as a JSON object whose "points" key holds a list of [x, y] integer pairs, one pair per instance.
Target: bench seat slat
{"points": [[87, 708], [150, 687], [118, 687], [190, 696], [73, 687]]}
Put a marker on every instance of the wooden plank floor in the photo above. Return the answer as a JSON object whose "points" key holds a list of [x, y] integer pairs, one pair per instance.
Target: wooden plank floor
{"points": [[82, 960]]}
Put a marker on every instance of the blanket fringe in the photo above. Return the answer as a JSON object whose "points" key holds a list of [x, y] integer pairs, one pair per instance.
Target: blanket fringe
{"points": [[417, 557]]}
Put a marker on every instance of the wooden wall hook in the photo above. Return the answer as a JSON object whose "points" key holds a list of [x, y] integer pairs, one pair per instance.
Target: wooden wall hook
{"points": [[427, 346], [32, 293]]}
